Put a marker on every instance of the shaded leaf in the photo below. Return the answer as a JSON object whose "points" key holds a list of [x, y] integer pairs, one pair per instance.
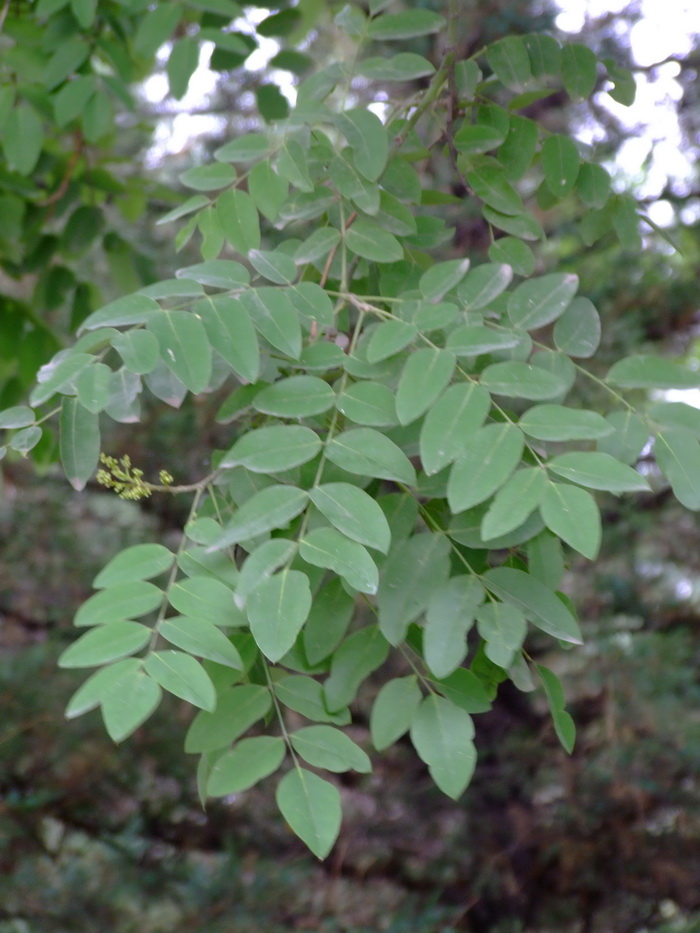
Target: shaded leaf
{"points": [[277, 608], [312, 808]]}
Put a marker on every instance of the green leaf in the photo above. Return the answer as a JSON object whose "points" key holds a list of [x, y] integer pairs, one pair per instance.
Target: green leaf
{"points": [[201, 638], [368, 139], [23, 139], [361, 653], [277, 608], [329, 748], [25, 440], [545, 558], [450, 424], [509, 60], [354, 513], [182, 63], [328, 621], [91, 693], [312, 302], [267, 189], [466, 690], [273, 265], [572, 514], [251, 147], [183, 676], [128, 701], [210, 177], [239, 220], [368, 453], [305, 696], [442, 735], [491, 456], [261, 563], [538, 603], [442, 278], [558, 423], [483, 284], [518, 150], [182, 210], [369, 403], [514, 253], [118, 602], [579, 70], [312, 808], [70, 100], [218, 273], [563, 723], [231, 334], [155, 27], [415, 569], [184, 347], [292, 165], [652, 372], [477, 138], [524, 226], [248, 762], [237, 708], [388, 338], [274, 449], [104, 644], [204, 597], [522, 380], [513, 502], [20, 416], [678, 457], [139, 562], [328, 548], [318, 245], [426, 373], [449, 617], [79, 442], [665, 414], [560, 163], [593, 185], [503, 628], [132, 309], [473, 339], [577, 332], [598, 471], [93, 387], [544, 52], [369, 240], [295, 397], [489, 183], [406, 25], [406, 66], [58, 375], [393, 711], [540, 301], [275, 317]]}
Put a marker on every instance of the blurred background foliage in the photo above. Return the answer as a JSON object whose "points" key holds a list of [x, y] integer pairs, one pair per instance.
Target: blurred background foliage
{"points": [[98, 837]]}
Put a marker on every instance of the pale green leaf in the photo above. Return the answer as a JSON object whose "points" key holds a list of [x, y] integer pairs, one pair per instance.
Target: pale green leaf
{"points": [[231, 334], [593, 185], [183, 676], [509, 59], [388, 338], [329, 748], [540, 301], [450, 424], [559, 423], [311, 807], [248, 762], [247, 148], [513, 502], [128, 701], [19, 416], [372, 242], [522, 380], [393, 711], [406, 25], [239, 220], [237, 708], [489, 183], [58, 376], [295, 397], [273, 265], [473, 339], [361, 653], [442, 734], [106, 643], [579, 70], [369, 403], [139, 349], [483, 284], [218, 273], [577, 332], [368, 453], [513, 252], [328, 548], [560, 162], [652, 372], [209, 177], [328, 621], [184, 347], [274, 315], [538, 603], [598, 471], [201, 638], [93, 387], [415, 569], [491, 456], [572, 514], [23, 139], [305, 696], [204, 597], [406, 66], [277, 608], [678, 456], [121, 601], [261, 564], [426, 373], [79, 442], [564, 725], [353, 512], [139, 562], [448, 619], [442, 278], [503, 628], [273, 449]]}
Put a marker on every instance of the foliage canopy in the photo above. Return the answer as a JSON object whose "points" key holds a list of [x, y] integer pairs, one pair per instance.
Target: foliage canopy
{"points": [[405, 469]]}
